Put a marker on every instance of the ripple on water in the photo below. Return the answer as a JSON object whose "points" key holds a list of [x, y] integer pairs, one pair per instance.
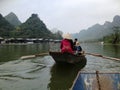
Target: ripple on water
{"points": [[100, 64], [23, 69]]}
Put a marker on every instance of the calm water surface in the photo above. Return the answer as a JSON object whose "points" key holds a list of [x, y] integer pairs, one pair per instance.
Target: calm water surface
{"points": [[42, 73]]}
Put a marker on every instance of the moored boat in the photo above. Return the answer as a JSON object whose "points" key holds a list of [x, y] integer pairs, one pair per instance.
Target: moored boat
{"points": [[68, 58]]}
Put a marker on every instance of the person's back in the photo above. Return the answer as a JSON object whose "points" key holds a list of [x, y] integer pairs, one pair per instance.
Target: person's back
{"points": [[67, 44], [78, 48], [74, 43], [75, 40]]}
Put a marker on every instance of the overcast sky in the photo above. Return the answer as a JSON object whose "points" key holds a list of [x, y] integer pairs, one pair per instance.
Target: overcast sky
{"points": [[66, 15]]}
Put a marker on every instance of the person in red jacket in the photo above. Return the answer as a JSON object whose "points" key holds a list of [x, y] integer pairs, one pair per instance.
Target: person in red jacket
{"points": [[67, 44]]}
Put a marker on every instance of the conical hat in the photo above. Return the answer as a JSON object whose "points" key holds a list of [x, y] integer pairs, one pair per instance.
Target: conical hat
{"points": [[67, 36]]}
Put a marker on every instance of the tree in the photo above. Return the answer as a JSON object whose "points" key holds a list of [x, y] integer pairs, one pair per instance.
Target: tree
{"points": [[5, 28], [58, 34], [116, 38]]}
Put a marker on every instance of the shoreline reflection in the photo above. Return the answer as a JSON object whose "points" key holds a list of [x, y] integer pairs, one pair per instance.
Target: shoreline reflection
{"points": [[63, 76]]}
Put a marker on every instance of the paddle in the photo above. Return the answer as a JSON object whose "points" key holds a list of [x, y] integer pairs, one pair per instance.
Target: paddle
{"points": [[33, 56], [106, 57]]}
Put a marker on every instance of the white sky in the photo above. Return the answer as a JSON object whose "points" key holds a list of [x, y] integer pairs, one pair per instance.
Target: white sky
{"points": [[66, 15]]}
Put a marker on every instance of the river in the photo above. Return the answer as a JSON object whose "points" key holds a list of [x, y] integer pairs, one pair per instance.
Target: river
{"points": [[41, 73]]}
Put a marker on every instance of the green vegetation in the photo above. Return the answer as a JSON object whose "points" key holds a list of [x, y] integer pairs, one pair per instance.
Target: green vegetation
{"points": [[58, 35], [5, 28], [32, 28], [12, 19], [114, 38]]}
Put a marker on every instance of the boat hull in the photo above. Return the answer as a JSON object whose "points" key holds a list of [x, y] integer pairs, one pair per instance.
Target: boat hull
{"points": [[68, 58]]}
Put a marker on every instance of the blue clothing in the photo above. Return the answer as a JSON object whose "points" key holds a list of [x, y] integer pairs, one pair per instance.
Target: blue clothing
{"points": [[78, 48]]}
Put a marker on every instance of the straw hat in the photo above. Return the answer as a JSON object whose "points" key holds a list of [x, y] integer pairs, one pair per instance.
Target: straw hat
{"points": [[67, 36]]}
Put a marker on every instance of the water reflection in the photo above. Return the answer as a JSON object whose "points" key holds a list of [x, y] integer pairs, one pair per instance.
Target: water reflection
{"points": [[112, 50], [62, 76], [13, 52], [31, 74], [42, 74]]}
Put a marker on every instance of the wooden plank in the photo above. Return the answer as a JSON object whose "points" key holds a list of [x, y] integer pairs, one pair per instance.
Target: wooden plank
{"points": [[33, 56], [99, 55], [97, 81], [28, 57]]}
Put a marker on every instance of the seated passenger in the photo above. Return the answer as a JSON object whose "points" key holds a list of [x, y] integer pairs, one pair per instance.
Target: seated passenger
{"points": [[67, 44], [74, 43], [78, 49]]}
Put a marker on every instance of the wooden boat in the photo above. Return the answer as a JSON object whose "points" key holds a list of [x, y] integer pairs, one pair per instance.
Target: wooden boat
{"points": [[97, 81], [68, 58]]}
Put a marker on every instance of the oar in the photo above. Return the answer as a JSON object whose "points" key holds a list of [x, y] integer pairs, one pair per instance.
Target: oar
{"points": [[33, 56], [106, 57]]}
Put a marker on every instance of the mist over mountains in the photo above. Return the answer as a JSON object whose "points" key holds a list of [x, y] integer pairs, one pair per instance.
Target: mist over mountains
{"points": [[13, 19], [34, 27], [98, 31]]}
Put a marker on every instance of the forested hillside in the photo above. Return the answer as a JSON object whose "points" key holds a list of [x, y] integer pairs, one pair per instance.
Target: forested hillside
{"points": [[113, 38], [97, 31], [33, 27], [13, 19], [5, 28]]}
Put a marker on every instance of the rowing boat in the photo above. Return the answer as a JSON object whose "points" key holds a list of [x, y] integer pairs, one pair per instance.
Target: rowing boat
{"points": [[68, 58], [97, 81]]}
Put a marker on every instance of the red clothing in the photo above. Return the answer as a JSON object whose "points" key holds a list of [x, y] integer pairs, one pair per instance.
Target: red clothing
{"points": [[66, 46]]}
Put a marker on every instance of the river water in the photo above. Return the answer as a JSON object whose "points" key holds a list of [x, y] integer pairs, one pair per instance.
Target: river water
{"points": [[41, 73]]}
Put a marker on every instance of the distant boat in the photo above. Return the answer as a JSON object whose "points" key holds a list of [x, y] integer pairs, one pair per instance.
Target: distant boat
{"points": [[68, 58], [102, 43]]}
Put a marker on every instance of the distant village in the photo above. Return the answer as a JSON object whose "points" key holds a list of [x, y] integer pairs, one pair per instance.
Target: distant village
{"points": [[26, 40]]}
